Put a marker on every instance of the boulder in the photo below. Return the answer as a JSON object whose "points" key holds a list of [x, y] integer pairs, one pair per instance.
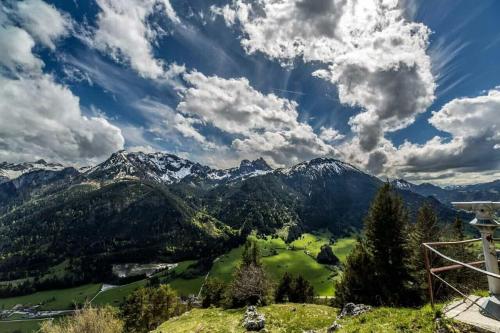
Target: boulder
{"points": [[352, 310], [334, 328], [253, 321]]}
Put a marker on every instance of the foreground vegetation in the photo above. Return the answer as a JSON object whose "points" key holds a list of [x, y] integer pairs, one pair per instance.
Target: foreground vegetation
{"points": [[297, 318]]}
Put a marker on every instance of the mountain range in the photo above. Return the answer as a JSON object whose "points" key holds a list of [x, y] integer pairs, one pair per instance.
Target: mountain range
{"points": [[138, 206]]}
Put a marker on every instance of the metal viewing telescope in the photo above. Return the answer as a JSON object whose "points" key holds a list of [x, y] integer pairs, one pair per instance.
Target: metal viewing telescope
{"points": [[486, 222]]}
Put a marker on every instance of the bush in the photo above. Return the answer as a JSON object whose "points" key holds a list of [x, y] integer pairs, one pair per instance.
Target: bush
{"points": [[146, 308], [297, 290], [86, 320], [250, 285], [212, 292]]}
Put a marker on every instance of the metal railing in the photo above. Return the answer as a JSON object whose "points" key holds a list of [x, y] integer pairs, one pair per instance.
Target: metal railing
{"points": [[433, 272]]}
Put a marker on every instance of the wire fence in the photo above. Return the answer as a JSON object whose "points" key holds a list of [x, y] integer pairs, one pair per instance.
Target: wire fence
{"points": [[456, 267]]}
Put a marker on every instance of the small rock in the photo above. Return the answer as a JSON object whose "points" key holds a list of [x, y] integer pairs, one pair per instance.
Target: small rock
{"points": [[335, 327], [253, 321], [352, 310]]}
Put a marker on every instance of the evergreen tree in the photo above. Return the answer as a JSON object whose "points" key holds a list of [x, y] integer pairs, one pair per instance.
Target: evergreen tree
{"points": [[297, 290], [384, 250], [302, 291], [458, 229], [426, 229], [358, 283], [284, 288]]}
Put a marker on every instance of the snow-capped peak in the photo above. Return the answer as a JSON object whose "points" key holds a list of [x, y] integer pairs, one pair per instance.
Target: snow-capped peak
{"points": [[402, 184], [9, 171], [162, 167], [319, 166]]}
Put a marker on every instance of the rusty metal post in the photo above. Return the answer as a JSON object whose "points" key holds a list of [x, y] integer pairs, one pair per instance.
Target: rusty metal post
{"points": [[429, 275]]}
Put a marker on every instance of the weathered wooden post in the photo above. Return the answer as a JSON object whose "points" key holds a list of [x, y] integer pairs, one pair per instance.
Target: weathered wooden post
{"points": [[486, 224]]}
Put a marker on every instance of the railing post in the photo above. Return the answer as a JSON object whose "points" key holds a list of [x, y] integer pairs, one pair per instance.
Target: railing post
{"points": [[429, 275]]}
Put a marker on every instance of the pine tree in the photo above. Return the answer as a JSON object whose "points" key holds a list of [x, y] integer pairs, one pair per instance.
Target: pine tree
{"points": [[426, 229], [458, 229], [284, 288], [302, 291], [377, 267], [358, 280]]}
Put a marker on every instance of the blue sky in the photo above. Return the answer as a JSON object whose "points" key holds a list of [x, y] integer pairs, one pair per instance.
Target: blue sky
{"points": [[400, 89]]}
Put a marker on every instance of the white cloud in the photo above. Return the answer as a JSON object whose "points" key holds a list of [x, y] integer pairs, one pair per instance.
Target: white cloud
{"points": [[15, 50], [166, 123], [474, 126], [41, 118], [124, 32], [329, 134], [44, 22], [261, 125], [375, 57]]}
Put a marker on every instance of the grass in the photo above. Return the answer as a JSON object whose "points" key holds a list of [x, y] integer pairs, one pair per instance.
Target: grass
{"points": [[297, 318], [58, 299], [279, 258], [27, 326], [313, 242]]}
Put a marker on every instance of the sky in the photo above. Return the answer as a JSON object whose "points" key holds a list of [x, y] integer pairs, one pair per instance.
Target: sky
{"points": [[402, 89]]}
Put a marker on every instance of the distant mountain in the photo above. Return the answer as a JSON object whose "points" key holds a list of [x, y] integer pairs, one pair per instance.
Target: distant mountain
{"points": [[477, 192], [168, 169], [9, 171], [158, 206]]}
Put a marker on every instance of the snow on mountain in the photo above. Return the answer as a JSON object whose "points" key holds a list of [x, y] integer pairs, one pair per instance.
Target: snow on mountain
{"points": [[246, 169], [402, 184], [161, 167], [318, 167], [169, 169], [9, 171]]}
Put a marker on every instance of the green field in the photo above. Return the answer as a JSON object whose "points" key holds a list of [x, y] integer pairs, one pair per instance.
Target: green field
{"points": [[27, 326], [299, 318], [58, 299], [313, 242], [279, 257]]}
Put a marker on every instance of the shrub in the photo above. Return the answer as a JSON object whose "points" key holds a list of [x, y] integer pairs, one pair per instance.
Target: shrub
{"points": [[146, 308], [250, 285], [86, 320], [212, 292], [297, 290]]}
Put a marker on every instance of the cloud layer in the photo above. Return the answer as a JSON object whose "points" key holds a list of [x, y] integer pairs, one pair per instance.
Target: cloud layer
{"points": [[123, 32], [474, 126], [261, 125], [375, 57], [40, 117]]}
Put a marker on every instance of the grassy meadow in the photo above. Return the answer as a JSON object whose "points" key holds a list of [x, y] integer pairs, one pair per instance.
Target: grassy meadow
{"points": [[298, 318], [58, 299], [25, 326]]}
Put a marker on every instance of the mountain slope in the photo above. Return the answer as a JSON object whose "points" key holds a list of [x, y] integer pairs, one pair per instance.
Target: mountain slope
{"points": [[152, 207]]}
